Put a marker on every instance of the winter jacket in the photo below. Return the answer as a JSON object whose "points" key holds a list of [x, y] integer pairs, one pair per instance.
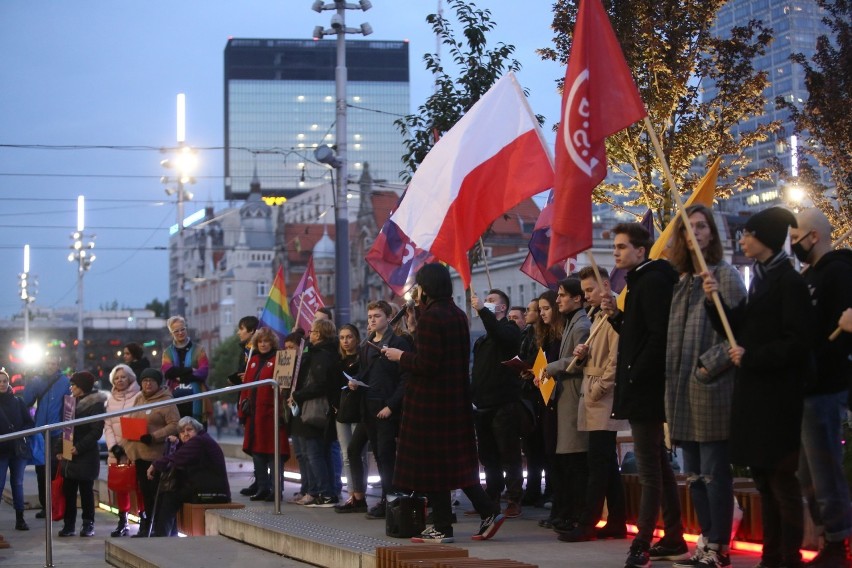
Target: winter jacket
{"points": [[386, 379], [698, 406], [494, 384], [86, 463], [14, 417], [118, 400], [202, 474], [162, 423], [319, 373], [259, 435], [640, 377], [598, 387], [49, 392]]}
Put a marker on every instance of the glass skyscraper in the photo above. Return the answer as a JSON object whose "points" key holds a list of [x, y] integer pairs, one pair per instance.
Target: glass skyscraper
{"points": [[796, 25], [280, 105]]}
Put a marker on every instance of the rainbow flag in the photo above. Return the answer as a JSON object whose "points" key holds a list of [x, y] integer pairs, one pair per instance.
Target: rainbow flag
{"points": [[276, 313]]}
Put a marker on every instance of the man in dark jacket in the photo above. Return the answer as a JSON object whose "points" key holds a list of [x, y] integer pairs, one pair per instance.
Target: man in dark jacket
{"points": [[496, 391], [829, 280], [640, 387]]}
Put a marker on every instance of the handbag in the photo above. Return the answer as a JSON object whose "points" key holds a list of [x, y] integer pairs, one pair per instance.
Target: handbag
{"points": [[57, 505], [121, 477], [406, 516], [36, 442], [22, 449], [314, 412], [168, 480], [350, 406]]}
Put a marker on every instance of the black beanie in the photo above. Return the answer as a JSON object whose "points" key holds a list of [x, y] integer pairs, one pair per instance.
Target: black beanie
{"points": [[152, 373], [84, 381], [770, 226]]}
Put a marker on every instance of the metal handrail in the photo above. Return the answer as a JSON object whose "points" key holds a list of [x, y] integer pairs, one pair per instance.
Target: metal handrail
{"points": [[46, 429]]}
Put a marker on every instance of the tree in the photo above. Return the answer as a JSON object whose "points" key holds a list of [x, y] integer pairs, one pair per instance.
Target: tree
{"points": [[824, 119], [159, 308], [478, 69], [669, 47], [223, 362]]}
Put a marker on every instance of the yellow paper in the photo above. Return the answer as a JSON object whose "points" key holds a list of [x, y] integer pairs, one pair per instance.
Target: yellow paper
{"points": [[546, 384]]}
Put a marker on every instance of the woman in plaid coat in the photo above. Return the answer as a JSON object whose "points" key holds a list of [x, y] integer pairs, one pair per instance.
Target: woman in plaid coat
{"points": [[436, 452], [700, 380]]}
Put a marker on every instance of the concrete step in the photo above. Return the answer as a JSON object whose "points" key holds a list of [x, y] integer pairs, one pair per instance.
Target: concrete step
{"points": [[200, 552]]}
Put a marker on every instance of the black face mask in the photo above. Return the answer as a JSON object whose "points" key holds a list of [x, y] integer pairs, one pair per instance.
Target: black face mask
{"points": [[800, 251]]}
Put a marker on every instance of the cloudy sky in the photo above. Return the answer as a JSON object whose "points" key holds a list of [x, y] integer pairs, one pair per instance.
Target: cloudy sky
{"points": [[105, 73]]}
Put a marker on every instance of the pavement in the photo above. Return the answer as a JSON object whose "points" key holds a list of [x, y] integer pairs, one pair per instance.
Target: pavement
{"points": [[519, 539]]}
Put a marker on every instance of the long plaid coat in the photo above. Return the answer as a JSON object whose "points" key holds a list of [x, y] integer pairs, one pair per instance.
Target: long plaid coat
{"points": [[437, 447], [699, 409]]}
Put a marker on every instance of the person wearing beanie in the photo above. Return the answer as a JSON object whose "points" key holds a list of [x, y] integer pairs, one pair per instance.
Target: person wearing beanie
{"points": [[773, 360], [81, 471], [124, 391], [162, 422]]}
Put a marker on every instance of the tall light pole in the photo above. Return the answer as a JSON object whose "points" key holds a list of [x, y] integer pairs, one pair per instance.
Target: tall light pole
{"points": [[342, 289], [184, 164], [27, 293], [82, 254]]}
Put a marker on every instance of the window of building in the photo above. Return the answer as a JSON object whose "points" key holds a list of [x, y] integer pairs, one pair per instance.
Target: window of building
{"points": [[262, 288]]}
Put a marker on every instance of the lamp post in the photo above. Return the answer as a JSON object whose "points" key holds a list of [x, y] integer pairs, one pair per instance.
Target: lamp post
{"points": [[27, 294], [81, 253], [342, 290], [184, 164]]}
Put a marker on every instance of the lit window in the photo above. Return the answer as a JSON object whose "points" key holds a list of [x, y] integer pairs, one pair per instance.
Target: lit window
{"points": [[357, 146], [300, 136], [356, 99], [328, 99], [357, 137], [314, 126], [300, 98], [357, 165]]}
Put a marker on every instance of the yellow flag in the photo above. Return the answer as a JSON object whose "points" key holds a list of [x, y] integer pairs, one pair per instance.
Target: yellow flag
{"points": [[545, 384], [703, 194]]}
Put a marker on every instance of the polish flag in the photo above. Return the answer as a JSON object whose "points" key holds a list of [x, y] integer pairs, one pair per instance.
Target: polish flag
{"points": [[599, 98], [490, 161]]}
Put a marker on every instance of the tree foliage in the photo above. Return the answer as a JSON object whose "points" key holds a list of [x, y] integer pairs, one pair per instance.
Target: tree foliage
{"points": [[159, 308], [478, 69], [825, 119], [223, 362], [674, 57]]}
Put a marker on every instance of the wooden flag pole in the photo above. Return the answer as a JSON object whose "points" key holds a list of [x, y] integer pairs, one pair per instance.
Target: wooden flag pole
{"points": [[717, 301], [596, 270], [487, 271], [301, 305], [842, 239]]}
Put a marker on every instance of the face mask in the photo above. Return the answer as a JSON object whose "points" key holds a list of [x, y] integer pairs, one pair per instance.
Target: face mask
{"points": [[800, 251], [490, 306]]}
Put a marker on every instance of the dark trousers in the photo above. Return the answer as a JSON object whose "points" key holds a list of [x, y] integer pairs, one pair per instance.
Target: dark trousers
{"points": [[782, 513], [569, 485], [659, 487], [381, 433], [533, 447], [41, 471], [442, 508], [147, 487], [499, 437], [168, 505], [87, 501], [604, 481]]}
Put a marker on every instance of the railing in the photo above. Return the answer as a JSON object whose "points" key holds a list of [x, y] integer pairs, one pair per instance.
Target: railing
{"points": [[45, 431]]}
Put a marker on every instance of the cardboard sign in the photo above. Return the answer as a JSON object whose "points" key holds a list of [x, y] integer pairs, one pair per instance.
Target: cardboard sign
{"points": [[285, 367], [69, 411]]}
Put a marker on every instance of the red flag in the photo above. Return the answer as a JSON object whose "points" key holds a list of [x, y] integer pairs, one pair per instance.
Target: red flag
{"points": [[306, 298], [599, 98], [491, 160]]}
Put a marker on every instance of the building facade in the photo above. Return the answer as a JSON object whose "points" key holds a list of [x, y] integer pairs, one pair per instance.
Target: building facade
{"points": [[280, 106]]}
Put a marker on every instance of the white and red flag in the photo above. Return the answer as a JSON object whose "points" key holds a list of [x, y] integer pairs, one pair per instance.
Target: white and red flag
{"points": [[491, 160], [306, 298], [599, 98]]}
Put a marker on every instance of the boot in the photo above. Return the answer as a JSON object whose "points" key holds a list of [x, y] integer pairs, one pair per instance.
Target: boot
{"points": [[88, 528], [20, 523], [3, 543], [832, 554], [121, 529], [144, 527]]}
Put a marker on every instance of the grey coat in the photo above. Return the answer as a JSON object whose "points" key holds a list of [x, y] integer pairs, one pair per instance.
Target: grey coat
{"points": [[569, 439], [698, 408]]}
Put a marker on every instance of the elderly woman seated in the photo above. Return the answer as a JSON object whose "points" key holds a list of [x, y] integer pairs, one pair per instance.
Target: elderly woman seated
{"points": [[197, 468]]}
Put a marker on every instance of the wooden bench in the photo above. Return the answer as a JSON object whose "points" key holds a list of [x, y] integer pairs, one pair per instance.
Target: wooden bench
{"points": [[190, 519]]}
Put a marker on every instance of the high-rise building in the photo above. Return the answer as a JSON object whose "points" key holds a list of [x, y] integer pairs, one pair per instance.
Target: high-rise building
{"points": [[796, 25], [280, 106]]}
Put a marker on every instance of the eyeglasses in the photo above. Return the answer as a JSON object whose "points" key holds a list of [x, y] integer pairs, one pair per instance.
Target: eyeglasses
{"points": [[180, 330]]}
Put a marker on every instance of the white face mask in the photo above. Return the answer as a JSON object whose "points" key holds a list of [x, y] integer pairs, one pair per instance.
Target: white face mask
{"points": [[490, 306]]}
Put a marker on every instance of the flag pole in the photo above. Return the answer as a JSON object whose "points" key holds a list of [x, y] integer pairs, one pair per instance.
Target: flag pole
{"points": [[301, 304], [717, 301], [485, 260], [842, 239], [595, 269]]}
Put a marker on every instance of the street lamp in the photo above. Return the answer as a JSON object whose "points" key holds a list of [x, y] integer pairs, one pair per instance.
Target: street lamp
{"points": [[81, 253], [342, 291], [184, 163], [28, 292]]}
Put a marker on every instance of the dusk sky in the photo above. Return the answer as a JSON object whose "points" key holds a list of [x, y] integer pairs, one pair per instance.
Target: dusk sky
{"points": [[106, 73]]}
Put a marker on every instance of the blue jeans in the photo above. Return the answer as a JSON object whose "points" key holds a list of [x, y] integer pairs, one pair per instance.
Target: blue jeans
{"points": [[16, 465], [298, 445], [335, 465], [659, 488], [711, 485], [318, 453], [821, 464], [264, 464]]}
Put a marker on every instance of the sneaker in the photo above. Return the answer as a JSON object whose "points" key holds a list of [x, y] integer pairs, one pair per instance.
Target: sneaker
{"points": [[324, 502], [638, 556], [377, 511], [714, 559], [306, 500], [431, 535], [697, 555], [352, 505], [489, 527], [663, 550], [513, 509]]}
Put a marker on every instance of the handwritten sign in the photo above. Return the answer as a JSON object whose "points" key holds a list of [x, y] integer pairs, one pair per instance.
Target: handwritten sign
{"points": [[285, 367]]}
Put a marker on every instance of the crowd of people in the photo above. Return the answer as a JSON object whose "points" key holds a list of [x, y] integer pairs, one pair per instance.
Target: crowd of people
{"points": [[685, 356]]}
